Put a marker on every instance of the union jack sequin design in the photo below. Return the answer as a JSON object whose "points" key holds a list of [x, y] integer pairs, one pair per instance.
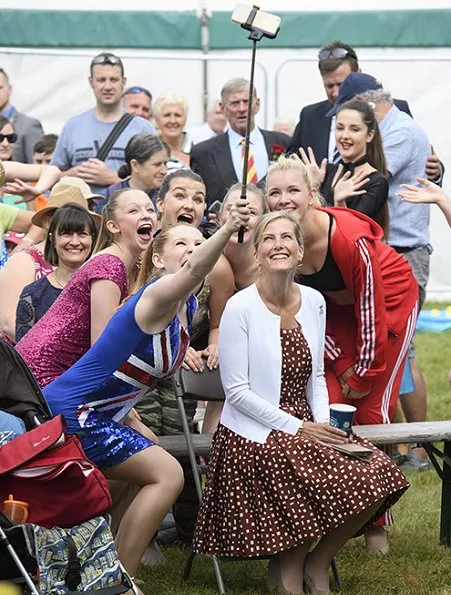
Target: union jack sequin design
{"points": [[98, 391], [156, 356]]}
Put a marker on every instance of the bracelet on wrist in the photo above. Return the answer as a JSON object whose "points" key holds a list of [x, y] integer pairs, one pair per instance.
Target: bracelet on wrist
{"points": [[301, 428], [28, 239]]}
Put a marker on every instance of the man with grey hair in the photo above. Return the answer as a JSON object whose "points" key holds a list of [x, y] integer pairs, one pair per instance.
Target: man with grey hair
{"points": [[216, 123], [406, 148], [219, 160]]}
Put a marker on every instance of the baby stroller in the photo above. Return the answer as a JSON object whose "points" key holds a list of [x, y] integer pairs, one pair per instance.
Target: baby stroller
{"points": [[66, 538]]}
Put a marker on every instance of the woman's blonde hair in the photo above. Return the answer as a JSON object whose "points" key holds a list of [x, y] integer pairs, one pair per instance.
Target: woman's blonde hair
{"points": [[169, 99], [105, 237], [249, 188], [293, 163], [148, 270], [265, 220]]}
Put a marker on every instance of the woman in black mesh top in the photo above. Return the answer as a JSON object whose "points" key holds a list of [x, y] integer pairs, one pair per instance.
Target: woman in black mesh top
{"points": [[358, 180]]}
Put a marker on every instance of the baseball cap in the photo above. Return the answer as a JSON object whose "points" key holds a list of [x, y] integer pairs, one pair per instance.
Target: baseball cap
{"points": [[354, 84], [14, 237]]}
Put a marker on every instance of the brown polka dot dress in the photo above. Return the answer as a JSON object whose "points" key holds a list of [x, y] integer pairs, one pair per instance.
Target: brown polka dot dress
{"points": [[261, 499]]}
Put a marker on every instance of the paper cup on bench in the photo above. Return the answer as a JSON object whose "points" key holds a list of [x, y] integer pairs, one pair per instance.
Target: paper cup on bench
{"points": [[342, 416]]}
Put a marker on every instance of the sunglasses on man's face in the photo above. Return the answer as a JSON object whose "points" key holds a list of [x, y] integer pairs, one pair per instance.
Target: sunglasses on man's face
{"points": [[339, 53], [136, 90], [11, 138], [106, 59]]}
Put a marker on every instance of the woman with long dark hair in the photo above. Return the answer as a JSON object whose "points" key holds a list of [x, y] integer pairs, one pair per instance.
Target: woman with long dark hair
{"points": [[8, 137], [359, 180]]}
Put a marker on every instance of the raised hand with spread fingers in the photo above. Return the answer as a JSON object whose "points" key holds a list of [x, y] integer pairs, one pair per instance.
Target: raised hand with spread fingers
{"points": [[348, 186], [318, 172], [427, 192]]}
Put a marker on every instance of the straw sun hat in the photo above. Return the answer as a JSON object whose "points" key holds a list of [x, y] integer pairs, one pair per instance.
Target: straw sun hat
{"points": [[84, 187], [68, 189]]}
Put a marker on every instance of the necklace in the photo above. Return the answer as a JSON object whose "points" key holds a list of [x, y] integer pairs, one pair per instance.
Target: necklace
{"points": [[58, 281]]}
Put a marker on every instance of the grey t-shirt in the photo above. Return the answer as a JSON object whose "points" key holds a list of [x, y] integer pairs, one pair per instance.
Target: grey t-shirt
{"points": [[83, 135]]}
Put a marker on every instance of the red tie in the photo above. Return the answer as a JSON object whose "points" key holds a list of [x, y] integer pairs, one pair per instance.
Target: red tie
{"points": [[251, 171]]}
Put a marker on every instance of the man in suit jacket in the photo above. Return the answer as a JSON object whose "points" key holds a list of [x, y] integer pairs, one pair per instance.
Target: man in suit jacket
{"points": [[316, 128], [27, 129], [219, 159]]}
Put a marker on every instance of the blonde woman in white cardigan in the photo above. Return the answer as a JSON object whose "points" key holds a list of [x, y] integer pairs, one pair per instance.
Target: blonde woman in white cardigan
{"points": [[275, 485]]}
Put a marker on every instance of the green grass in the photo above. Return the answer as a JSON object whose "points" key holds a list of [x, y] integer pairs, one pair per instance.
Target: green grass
{"points": [[417, 564]]}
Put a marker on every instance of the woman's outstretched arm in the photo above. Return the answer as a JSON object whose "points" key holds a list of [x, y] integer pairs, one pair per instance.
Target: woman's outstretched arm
{"points": [[17, 174], [160, 301], [427, 192]]}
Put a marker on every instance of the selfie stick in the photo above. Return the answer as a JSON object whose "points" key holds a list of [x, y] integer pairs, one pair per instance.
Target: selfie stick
{"points": [[254, 35]]}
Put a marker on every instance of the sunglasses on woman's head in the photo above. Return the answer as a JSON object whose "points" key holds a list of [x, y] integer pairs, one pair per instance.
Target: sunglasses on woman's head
{"points": [[335, 53], [11, 138]]}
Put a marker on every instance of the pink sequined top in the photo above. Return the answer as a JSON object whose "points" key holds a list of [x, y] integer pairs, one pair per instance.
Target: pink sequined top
{"points": [[63, 334]]}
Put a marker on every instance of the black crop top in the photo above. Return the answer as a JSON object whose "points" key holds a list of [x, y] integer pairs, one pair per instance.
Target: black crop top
{"points": [[329, 278]]}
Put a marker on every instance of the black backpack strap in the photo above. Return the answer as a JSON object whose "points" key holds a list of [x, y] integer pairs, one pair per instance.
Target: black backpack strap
{"points": [[118, 129], [72, 578], [73, 575]]}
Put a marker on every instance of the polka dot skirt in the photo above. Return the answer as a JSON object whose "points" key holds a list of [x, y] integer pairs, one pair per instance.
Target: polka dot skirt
{"points": [[261, 499]]}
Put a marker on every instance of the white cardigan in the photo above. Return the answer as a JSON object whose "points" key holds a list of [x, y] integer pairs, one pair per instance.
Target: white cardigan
{"points": [[250, 357]]}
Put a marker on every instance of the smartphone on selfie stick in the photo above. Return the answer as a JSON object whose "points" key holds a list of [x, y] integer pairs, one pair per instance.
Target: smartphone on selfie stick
{"points": [[260, 24]]}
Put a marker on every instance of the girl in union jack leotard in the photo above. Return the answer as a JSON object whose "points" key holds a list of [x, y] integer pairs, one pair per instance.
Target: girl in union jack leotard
{"points": [[146, 339]]}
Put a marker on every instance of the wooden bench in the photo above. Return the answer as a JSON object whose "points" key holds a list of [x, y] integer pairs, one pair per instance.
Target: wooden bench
{"points": [[421, 433]]}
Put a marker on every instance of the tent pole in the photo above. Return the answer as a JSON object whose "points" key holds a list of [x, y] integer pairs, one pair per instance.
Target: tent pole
{"points": [[204, 15]]}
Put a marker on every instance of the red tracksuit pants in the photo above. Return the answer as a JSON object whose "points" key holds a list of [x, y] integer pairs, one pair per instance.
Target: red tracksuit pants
{"points": [[378, 407]]}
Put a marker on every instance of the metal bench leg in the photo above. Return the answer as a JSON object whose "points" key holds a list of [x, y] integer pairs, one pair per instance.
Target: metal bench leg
{"points": [[445, 521], [335, 573], [190, 446], [188, 566], [445, 475], [197, 481], [218, 574]]}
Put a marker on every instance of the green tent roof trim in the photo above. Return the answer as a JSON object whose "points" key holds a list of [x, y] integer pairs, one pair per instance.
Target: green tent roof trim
{"points": [[182, 30]]}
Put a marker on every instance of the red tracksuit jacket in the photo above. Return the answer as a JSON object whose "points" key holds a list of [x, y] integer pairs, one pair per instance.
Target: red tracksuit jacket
{"points": [[384, 291]]}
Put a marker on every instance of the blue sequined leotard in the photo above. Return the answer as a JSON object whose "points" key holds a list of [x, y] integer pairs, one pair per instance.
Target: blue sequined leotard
{"points": [[101, 388]]}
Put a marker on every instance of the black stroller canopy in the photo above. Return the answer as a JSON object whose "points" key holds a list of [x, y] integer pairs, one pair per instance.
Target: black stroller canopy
{"points": [[20, 394]]}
